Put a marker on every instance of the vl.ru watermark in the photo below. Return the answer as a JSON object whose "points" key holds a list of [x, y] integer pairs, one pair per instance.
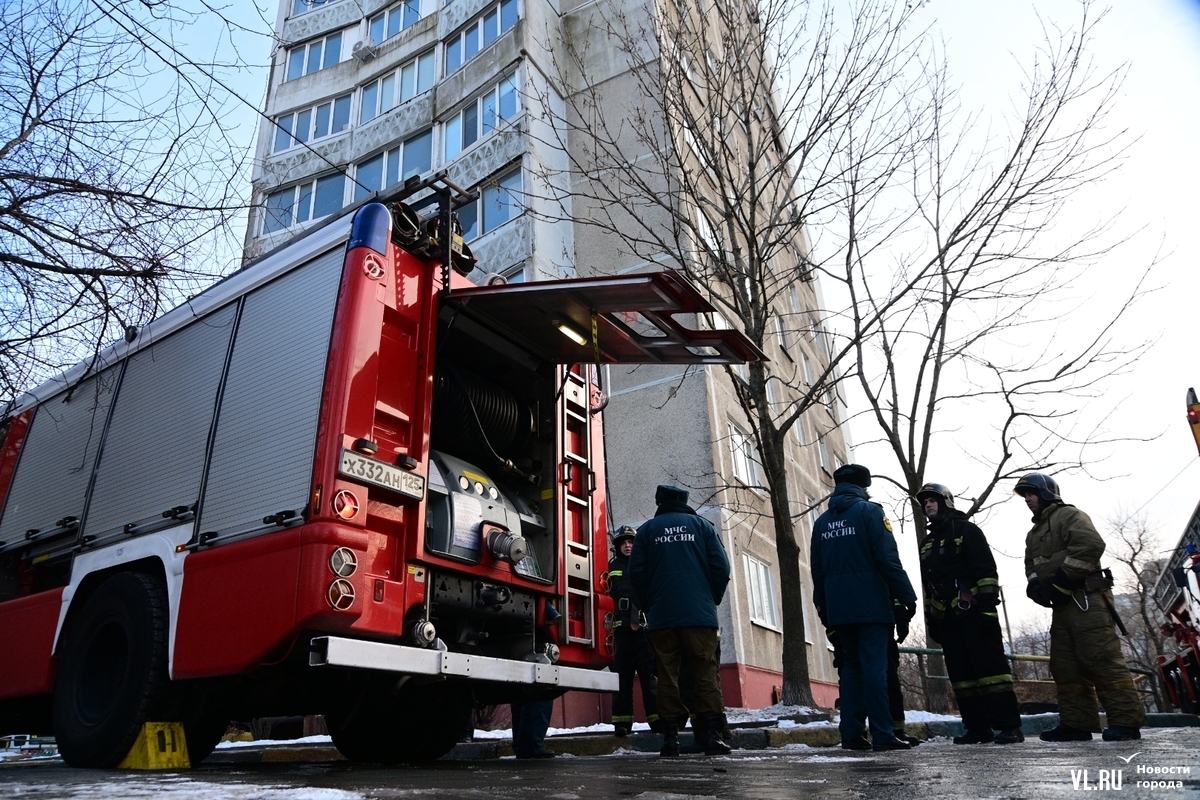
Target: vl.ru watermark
{"points": [[1146, 776]]}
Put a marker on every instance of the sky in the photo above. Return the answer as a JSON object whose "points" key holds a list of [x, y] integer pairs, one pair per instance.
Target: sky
{"points": [[1158, 42]]}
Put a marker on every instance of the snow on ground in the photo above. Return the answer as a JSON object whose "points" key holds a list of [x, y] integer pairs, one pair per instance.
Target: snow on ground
{"points": [[174, 787], [735, 716]]}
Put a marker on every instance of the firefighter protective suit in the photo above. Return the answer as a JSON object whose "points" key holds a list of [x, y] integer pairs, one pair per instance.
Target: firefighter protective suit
{"points": [[961, 597], [1062, 562], [632, 651]]}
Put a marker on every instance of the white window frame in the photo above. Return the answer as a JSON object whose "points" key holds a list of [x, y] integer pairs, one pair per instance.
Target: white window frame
{"points": [[288, 124], [492, 195], [397, 11], [486, 113], [475, 33], [394, 155], [746, 467], [760, 593], [305, 53], [304, 201], [389, 91], [304, 6], [823, 450]]}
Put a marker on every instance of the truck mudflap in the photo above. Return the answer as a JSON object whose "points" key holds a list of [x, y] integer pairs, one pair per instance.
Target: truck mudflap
{"points": [[335, 651]]}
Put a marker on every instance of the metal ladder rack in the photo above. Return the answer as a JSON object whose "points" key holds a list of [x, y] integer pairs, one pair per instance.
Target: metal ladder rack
{"points": [[577, 479]]}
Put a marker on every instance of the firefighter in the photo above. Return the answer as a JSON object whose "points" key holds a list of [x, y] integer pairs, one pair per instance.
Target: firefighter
{"points": [[1062, 562], [962, 593], [856, 575], [632, 653]]}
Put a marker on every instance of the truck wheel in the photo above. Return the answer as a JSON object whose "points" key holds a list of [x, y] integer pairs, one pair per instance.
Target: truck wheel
{"points": [[414, 724], [112, 671]]}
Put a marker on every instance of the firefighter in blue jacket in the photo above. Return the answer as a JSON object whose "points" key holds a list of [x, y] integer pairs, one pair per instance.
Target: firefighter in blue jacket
{"points": [[632, 653], [856, 575], [680, 571]]}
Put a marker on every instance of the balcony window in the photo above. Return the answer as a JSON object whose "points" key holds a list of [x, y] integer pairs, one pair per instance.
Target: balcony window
{"points": [[307, 201], [400, 86], [480, 117], [310, 124], [413, 157], [484, 30], [499, 202], [313, 56]]}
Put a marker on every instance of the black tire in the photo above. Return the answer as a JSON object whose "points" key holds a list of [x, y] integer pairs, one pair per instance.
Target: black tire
{"points": [[204, 723], [383, 725], [112, 672]]}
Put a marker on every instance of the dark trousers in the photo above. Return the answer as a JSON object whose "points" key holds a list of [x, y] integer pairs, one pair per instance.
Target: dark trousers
{"points": [[895, 694], [530, 721], [863, 681], [700, 646], [633, 655], [980, 675]]}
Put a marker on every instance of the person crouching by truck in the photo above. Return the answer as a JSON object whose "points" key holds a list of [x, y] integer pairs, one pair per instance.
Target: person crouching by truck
{"points": [[632, 653], [962, 593]]}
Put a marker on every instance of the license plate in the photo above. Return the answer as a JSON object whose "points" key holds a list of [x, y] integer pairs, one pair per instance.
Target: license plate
{"points": [[385, 476]]}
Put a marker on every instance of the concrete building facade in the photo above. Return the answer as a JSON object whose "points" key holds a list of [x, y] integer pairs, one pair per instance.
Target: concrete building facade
{"points": [[366, 93]]}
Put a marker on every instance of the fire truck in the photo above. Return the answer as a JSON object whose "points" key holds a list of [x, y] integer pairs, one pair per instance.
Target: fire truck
{"points": [[1177, 594], [343, 481]]}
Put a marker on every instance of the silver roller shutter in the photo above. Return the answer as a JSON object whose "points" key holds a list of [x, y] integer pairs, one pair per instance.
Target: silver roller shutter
{"points": [[262, 457], [154, 452], [57, 458]]}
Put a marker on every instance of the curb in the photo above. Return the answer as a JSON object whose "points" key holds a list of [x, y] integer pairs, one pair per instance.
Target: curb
{"points": [[603, 744]]}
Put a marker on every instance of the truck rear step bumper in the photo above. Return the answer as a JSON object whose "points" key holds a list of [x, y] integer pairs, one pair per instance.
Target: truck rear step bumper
{"points": [[334, 651]]}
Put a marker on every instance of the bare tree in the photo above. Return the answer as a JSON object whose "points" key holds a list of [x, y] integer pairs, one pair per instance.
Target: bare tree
{"points": [[725, 131], [1140, 555], [984, 335], [119, 174]]}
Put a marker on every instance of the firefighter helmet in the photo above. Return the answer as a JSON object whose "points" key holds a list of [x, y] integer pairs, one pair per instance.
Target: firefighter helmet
{"points": [[936, 490], [1043, 486], [624, 532]]}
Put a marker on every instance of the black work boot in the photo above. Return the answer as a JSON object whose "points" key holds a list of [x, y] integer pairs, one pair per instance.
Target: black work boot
{"points": [[670, 746], [1065, 733], [714, 745], [1121, 733], [982, 736], [1011, 736]]}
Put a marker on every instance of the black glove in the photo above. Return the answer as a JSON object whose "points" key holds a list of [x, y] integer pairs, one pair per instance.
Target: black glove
{"points": [[987, 602], [832, 635], [1042, 593], [901, 631], [903, 612]]}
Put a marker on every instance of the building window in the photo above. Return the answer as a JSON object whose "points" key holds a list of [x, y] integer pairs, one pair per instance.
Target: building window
{"points": [[300, 6], [391, 21], [467, 43], [823, 449], [312, 123], [801, 434], [482, 116], [760, 588], [308, 201], [806, 604], [745, 466], [499, 202], [808, 372], [316, 55], [390, 90], [413, 157], [781, 335]]}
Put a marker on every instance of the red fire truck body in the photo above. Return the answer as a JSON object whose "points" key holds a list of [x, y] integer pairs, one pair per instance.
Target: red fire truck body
{"points": [[1178, 595], [328, 484]]}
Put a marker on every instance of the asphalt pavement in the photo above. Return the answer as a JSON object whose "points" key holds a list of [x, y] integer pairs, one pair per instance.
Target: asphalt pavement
{"points": [[1166, 757]]}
